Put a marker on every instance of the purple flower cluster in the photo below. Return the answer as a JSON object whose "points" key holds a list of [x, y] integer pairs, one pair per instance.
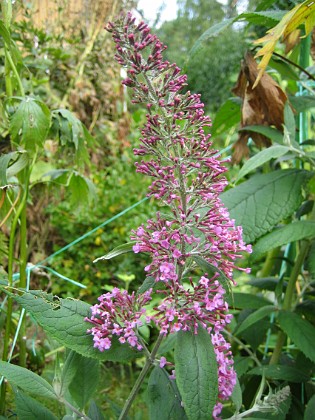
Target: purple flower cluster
{"points": [[118, 314], [187, 178]]}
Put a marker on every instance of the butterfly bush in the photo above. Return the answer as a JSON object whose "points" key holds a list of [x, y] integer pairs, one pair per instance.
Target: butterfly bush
{"points": [[187, 178]]}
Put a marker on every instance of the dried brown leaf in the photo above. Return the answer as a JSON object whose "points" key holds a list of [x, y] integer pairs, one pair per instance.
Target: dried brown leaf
{"points": [[263, 105]]}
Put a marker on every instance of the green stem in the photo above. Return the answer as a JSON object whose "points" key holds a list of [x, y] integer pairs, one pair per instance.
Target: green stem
{"points": [[288, 297], [15, 72], [269, 262], [23, 262], [143, 374]]}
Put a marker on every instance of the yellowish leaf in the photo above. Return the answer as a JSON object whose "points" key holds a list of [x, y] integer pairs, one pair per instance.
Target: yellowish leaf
{"points": [[301, 14]]}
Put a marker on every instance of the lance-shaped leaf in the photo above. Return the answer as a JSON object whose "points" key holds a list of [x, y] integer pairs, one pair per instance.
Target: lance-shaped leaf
{"points": [[262, 157], [196, 373], [262, 202], [163, 397], [296, 231], [255, 317], [27, 408], [301, 332], [121, 249], [64, 320], [27, 380], [282, 372]]}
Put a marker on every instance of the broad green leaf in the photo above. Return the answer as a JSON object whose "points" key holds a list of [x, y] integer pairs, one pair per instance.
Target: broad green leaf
{"points": [[81, 189], [310, 409], [69, 370], [30, 123], [29, 409], [296, 231], [27, 380], [213, 31], [272, 133], [121, 249], [211, 270], [163, 397], [302, 103], [262, 202], [255, 317], [227, 116], [262, 157], [247, 301], [237, 396], [241, 365], [196, 373], [301, 332], [85, 380], [280, 372], [94, 412], [64, 320]]}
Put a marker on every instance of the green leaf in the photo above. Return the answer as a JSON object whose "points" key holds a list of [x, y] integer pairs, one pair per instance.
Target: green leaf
{"points": [[255, 317], [264, 18], [289, 121], [30, 123], [262, 202], [148, 283], [272, 133], [29, 409], [266, 283], [5, 33], [262, 157], [237, 396], [283, 68], [211, 270], [213, 31], [301, 332], [94, 412], [302, 103], [21, 162], [163, 397], [247, 301], [310, 409], [121, 249], [227, 116], [80, 189], [296, 231], [27, 380], [4, 163], [196, 373], [64, 320], [280, 372], [85, 380], [69, 370]]}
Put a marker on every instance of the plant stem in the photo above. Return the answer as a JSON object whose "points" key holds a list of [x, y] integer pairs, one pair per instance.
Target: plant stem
{"points": [[23, 262], [269, 262], [137, 385], [287, 302]]}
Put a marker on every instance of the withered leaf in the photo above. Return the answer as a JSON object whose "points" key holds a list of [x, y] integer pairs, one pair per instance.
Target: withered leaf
{"points": [[262, 105]]}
